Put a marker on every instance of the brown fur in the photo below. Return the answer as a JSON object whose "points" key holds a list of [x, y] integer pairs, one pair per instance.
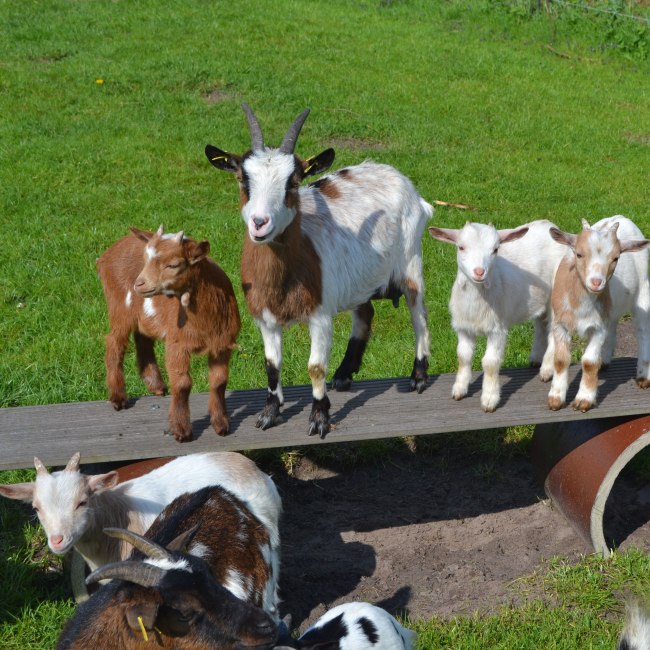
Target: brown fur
{"points": [[411, 292], [283, 277], [208, 326], [328, 187]]}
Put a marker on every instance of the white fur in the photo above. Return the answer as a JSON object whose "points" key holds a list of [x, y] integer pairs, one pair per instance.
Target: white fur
{"points": [[148, 307], [366, 238], [499, 285], [391, 634], [636, 633]]}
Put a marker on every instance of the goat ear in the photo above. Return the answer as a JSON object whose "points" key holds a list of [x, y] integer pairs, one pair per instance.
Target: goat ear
{"points": [[319, 163], [447, 235], [221, 159], [633, 246], [198, 251], [103, 481], [18, 491], [562, 237], [512, 235], [144, 235]]}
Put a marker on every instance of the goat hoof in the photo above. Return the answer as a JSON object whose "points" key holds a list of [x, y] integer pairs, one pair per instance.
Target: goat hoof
{"points": [[535, 364], [119, 403], [183, 436], [555, 403], [341, 384], [320, 428], [267, 420], [582, 405], [642, 382], [221, 426], [418, 384], [319, 418]]}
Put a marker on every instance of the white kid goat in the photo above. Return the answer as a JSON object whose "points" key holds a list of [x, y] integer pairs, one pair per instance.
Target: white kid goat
{"points": [[499, 284], [592, 290]]}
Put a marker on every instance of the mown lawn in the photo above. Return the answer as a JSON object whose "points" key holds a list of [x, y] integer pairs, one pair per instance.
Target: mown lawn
{"points": [[106, 108]]}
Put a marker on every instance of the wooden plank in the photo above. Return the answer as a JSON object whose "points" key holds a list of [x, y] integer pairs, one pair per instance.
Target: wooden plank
{"points": [[381, 408]]}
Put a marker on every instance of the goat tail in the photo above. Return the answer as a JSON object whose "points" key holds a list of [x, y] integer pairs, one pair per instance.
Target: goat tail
{"points": [[427, 208]]}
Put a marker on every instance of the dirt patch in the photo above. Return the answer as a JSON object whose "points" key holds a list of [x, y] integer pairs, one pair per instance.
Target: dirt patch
{"points": [[440, 533]]}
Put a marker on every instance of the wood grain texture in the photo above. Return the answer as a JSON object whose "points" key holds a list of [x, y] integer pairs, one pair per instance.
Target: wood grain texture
{"points": [[382, 408]]}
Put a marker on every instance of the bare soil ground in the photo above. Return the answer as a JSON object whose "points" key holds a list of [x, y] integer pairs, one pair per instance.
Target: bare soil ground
{"points": [[428, 534]]}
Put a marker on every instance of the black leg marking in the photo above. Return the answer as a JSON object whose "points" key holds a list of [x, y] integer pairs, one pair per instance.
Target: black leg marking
{"points": [[270, 416], [319, 418], [419, 374], [342, 379]]}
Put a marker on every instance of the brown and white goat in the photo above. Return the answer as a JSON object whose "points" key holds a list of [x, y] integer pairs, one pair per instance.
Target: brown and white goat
{"points": [[169, 598], [591, 291], [164, 286], [314, 251]]}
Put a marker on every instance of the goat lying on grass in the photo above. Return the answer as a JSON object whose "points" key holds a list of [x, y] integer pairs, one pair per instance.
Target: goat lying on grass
{"points": [[162, 286], [169, 598], [317, 250], [74, 508]]}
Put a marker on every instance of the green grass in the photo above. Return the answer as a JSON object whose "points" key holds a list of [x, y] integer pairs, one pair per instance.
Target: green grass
{"points": [[107, 106]]}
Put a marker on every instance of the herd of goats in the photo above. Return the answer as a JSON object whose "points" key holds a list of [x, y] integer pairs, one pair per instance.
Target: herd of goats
{"points": [[188, 555]]}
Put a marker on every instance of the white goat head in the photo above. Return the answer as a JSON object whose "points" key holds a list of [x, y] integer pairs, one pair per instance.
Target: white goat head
{"points": [[269, 178], [61, 501], [477, 245], [596, 253]]}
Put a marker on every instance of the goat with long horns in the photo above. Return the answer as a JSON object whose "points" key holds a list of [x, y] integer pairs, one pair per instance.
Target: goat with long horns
{"points": [[314, 251]]}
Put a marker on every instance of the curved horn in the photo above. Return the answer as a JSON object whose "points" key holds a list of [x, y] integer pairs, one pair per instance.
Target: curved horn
{"points": [[257, 142], [289, 142], [73, 463], [145, 575], [144, 545]]}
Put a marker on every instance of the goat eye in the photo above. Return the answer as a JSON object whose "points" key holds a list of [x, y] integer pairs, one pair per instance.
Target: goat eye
{"points": [[579, 256], [616, 259], [35, 508], [173, 266], [495, 251], [461, 248], [81, 504]]}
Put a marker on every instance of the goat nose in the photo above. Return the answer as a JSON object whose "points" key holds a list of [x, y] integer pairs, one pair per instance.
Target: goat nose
{"points": [[479, 272], [260, 222], [138, 283], [56, 539], [596, 283]]}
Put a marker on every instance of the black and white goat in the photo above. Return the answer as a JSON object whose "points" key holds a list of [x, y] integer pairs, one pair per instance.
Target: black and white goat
{"points": [[170, 599], [351, 626], [331, 246]]}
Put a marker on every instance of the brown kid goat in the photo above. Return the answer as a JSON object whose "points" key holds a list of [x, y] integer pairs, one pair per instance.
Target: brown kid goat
{"points": [[164, 286]]}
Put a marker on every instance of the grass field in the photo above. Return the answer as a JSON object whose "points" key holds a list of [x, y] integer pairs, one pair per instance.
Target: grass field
{"points": [[107, 106]]}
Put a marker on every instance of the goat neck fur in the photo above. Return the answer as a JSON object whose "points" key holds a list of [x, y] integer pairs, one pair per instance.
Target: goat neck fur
{"points": [[504, 278], [74, 508], [597, 282], [164, 287], [313, 251]]}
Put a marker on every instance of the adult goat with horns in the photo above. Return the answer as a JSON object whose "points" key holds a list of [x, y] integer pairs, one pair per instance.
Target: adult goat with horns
{"points": [[331, 246]]}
